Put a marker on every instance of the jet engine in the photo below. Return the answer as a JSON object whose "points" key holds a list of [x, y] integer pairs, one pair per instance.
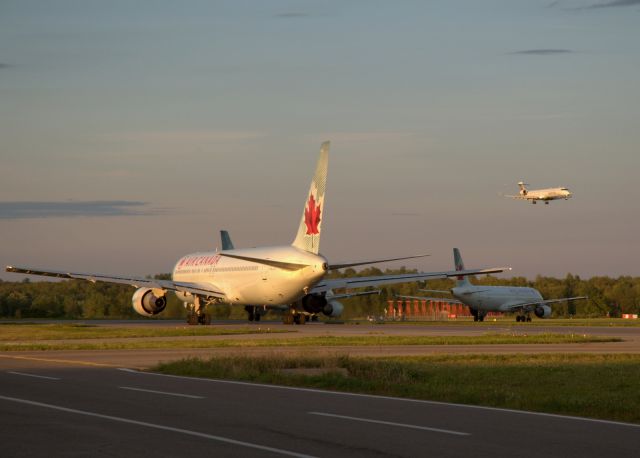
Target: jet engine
{"points": [[317, 303], [543, 311], [333, 309], [149, 301]]}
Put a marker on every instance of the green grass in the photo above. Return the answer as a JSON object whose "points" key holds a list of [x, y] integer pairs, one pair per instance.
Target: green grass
{"points": [[510, 320], [326, 341], [31, 331], [595, 386]]}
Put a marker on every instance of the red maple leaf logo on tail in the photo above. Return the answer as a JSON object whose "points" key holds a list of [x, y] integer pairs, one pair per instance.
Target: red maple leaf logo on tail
{"points": [[312, 216]]}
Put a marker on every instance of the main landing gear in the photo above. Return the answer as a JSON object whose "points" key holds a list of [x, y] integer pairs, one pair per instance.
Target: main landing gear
{"points": [[478, 315], [252, 313], [523, 318], [196, 313], [293, 317]]}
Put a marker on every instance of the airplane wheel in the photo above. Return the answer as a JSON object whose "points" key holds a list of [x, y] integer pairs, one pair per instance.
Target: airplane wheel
{"points": [[192, 319], [256, 317], [518, 318], [287, 318], [528, 318], [475, 318]]}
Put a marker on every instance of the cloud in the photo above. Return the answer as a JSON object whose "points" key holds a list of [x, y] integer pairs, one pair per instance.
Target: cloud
{"points": [[99, 208], [292, 14], [613, 4], [592, 6], [543, 51]]}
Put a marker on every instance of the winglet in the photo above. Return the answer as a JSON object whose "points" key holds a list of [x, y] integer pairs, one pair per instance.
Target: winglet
{"points": [[308, 236], [227, 244]]}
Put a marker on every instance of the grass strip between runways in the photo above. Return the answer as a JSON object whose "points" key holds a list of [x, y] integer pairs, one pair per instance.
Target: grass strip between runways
{"points": [[51, 331], [586, 385], [324, 341]]}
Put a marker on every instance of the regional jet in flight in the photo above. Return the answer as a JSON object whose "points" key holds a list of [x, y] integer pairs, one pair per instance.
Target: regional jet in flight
{"points": [[484, 299], [544, 195], [288, 277]]}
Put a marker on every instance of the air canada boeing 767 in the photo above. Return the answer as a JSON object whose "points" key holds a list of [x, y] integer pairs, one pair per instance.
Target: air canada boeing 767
{"points": [[289, 277]]}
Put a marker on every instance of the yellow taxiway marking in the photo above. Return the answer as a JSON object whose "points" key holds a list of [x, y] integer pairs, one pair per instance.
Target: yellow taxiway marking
{"points": [[62, 361]]}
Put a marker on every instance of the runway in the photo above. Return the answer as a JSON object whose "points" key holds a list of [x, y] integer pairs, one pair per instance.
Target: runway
{"points": [[71, 411], [95, 403]]}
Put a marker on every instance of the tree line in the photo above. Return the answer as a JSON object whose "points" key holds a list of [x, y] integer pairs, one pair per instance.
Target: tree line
{"points": [[80, 299]]}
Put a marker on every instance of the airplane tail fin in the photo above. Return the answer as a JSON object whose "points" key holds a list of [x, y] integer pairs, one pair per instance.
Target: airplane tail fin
{"points": [[457, 259], [523, 190], [308, 236], [227, 244]]}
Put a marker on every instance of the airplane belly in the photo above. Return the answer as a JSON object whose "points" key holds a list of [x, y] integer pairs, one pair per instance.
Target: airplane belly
{"points": [[269, 289]]}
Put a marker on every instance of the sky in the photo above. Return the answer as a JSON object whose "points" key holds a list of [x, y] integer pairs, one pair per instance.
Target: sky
{"points": [[132, 132]]}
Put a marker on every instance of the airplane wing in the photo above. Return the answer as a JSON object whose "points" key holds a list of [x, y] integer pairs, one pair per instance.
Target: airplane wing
{"points": [[544, 302], [362, 282], [522, 197], [348, 295], [200, 289], [446, 299], [342, 265], [469, 293]]}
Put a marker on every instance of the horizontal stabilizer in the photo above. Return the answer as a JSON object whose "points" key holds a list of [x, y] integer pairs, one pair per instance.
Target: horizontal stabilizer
{"points": [[268, 262], [343, 265]]}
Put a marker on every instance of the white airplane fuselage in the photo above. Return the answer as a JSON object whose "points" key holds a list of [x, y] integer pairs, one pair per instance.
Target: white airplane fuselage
{"points": [[249, 283], [495, 298], [548, 194]]}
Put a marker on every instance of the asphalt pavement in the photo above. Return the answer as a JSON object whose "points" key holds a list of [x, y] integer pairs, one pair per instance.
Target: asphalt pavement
{"points": [[64, 410]]}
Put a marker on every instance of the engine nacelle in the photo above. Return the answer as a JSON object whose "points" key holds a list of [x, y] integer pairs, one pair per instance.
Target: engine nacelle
{"points": [[317, 303], [543, 311], [149, 301], [313, 303], [333, 309]]}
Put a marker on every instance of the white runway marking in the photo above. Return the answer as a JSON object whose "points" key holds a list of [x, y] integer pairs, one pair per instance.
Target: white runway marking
{"points": [[32, 375], [161, 392], [390, 423], [155, 426], [391, 398]]}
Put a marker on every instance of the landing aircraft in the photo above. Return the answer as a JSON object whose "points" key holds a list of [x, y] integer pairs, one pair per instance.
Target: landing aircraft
{"points": [[289, 277], [544, 195], [484, 299]]}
